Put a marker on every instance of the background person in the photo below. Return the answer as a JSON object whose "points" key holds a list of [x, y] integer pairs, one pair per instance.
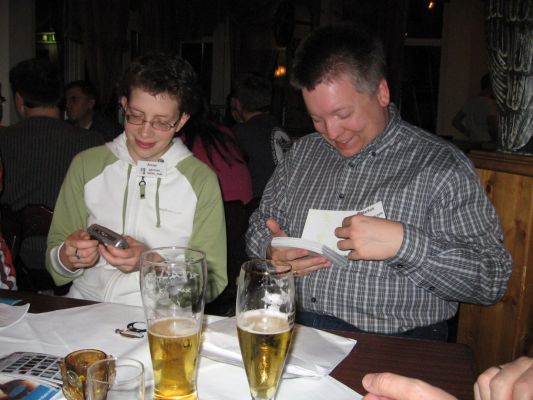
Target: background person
{"points": [[37, 151], [81, 105], [441, 241], [215, 145], [173, 201], [252, 96], [478, 118]]}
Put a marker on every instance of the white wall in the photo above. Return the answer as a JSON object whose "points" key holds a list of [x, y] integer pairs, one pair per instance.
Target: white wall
{"points": [[17, 42]]}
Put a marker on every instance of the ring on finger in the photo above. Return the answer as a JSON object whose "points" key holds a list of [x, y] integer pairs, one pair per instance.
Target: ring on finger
{"points": [[76, 254]]}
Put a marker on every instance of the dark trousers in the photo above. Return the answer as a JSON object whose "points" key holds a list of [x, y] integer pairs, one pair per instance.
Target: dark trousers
{"points": [[438, 331]]}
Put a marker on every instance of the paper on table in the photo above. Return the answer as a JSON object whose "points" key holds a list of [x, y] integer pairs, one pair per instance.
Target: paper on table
{"points": [[313, 353], [10, 315]]}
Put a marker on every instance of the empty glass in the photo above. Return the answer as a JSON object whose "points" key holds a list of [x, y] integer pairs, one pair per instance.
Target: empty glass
{"points": [[115, 379]]}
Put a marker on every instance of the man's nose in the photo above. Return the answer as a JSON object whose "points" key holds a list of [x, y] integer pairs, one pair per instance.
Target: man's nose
{"points": [[333, 130]]}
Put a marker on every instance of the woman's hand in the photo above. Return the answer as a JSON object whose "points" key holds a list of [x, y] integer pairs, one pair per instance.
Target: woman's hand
{"points": [[79, 251], [125, 260]]}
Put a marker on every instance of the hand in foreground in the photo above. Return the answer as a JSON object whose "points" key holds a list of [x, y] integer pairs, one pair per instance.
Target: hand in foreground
{"points": [[369, 238], [79, 251], [512, 381], [389, 386], [299, 259], [125, 260]]}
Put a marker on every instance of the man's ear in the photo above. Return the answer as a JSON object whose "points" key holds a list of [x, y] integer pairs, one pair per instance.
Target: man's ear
{"points": [[383, 93], [19, 104]]}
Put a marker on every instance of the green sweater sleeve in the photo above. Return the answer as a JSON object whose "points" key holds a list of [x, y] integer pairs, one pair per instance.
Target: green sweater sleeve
{"points": [[70, 212], [209, 227]]}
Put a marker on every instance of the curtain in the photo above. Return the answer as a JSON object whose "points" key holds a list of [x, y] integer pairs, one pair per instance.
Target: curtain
{"points": [[509, 26], [103, 28]]}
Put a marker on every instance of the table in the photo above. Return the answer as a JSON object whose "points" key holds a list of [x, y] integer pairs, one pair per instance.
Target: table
{"points": [[449, 366]]}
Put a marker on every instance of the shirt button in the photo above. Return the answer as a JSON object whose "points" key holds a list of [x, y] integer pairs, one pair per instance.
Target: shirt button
{"points": [[373, 154], [313, 299], [341, 195], [351, 164], [431, 288], [400, 266]]}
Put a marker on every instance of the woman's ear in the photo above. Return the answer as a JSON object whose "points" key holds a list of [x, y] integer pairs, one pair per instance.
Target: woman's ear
{"points": [[183, 119], [124, 102]]}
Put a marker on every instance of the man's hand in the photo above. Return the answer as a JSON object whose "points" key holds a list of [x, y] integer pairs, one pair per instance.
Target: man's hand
{"points": [[79, 251], [389, 386], [299, 259], [369, 238], [513, 381], [125, 260]]}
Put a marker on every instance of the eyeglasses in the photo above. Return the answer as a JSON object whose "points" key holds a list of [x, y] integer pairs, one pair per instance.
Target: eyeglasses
{"points": [[157, 125], [133, 330]]}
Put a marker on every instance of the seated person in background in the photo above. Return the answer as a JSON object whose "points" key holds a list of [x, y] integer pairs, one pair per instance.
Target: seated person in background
{"points": [[80, 105], [478, 118], [441, 241], [253, 95], [215, 145], [2, 101], [144, 184], [8, 276], [512, 381], [37, 151]]}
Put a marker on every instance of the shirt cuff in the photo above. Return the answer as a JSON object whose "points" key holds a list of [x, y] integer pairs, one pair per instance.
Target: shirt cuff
{"points": [[58, 266], [414, 250]]}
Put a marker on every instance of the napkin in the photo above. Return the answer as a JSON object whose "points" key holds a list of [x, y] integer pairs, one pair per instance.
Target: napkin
{"points": [[313, 352], [10, 315]]}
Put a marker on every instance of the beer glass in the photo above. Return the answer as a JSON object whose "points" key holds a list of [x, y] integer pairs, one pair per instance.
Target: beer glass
{"points": [[115, 379], [173, 281], [265, 319]]}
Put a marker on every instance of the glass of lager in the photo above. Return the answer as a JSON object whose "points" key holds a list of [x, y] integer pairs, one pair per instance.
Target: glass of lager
{"points": [[173, 281], [265, 319]]}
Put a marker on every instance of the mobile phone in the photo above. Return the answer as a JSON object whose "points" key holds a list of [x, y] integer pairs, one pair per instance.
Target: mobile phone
{"points": [[106, 236]]}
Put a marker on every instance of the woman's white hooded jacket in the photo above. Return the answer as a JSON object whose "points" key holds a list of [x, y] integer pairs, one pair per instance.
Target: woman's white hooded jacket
{"points": [[181, 205]]}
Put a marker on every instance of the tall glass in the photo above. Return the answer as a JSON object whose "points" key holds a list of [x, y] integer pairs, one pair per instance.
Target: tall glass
{"points": [[265, 319], [173, 281]]}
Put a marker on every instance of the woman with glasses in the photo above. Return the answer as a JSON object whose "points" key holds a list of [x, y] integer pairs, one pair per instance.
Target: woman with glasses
{"points": [[145, 185]]}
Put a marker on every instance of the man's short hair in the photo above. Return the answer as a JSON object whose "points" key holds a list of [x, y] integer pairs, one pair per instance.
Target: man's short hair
{"points": [[85, 86], [38, 82], [159, 73], [338, 49], [254, 92]]}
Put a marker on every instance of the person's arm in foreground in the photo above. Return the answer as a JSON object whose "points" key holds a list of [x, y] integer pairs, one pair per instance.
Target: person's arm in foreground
{"points": [[512, 381]]}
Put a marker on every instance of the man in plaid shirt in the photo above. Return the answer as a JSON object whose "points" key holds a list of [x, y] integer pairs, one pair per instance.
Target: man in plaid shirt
{"points": [[441, 241]]}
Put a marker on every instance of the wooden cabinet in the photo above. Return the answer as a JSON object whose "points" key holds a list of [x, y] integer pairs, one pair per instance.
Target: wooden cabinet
{"points": [[504, 331]]}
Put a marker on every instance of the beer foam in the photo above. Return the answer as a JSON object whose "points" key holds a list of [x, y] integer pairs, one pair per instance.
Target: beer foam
{"points": [[174, 327], [263, 321]]}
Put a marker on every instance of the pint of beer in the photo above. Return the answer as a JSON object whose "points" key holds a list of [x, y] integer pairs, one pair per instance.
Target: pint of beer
{"points": [[265, 319], [173, 283]]}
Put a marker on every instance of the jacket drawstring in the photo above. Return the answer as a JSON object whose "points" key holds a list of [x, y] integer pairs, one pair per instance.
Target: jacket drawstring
{"points": [[158, 218], [125, 201]]}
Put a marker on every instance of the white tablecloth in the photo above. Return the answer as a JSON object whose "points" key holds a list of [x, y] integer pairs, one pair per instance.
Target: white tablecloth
{"points": [[60, 332]]}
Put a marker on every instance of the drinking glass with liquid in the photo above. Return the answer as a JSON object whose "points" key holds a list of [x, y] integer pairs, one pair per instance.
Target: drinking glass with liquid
{"points": [[265, 319], [173, 281]]}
